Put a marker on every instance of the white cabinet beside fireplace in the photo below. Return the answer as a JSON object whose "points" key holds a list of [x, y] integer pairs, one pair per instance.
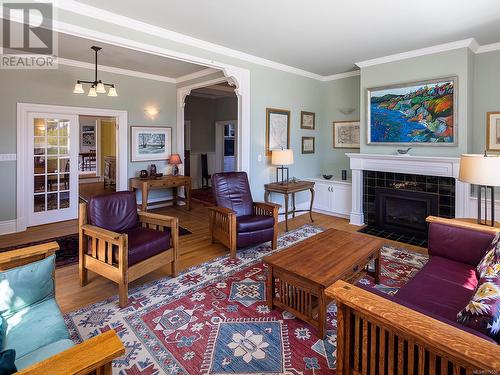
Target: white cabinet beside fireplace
{"points": [[332, 197]]}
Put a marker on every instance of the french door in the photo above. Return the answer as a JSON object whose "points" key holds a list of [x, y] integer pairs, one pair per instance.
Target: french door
{"points": [[52, 161]]}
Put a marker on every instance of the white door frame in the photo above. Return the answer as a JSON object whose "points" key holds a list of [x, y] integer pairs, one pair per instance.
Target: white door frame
{"points": [[23, 177], [219, 143]]}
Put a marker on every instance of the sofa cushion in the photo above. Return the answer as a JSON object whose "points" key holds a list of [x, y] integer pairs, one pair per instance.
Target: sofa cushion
{"points": [[34, 327], [43, 353], [250, 223], [144, 243], [116, 212], [17, 289], [7, 362], [491, 257], [482, 312], [458, 244], [443, 287]]}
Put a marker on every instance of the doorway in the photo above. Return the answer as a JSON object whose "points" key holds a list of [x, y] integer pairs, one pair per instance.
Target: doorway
{"points": [[97, 156], [48, 147], [226, 146]]}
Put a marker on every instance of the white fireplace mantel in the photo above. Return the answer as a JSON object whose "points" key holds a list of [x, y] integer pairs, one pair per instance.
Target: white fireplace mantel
{"points": [[422, 165]]}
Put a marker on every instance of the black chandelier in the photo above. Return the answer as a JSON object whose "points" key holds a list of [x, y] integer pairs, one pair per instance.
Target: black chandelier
{"points": [[97, 86]]}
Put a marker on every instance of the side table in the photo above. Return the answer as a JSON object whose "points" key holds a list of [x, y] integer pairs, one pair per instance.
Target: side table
{"points": [[288, 189]]}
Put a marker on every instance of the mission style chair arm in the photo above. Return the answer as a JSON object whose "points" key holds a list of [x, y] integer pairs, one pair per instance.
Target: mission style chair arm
{"points": [[404, 334], [266, 208], [463, 224], [91, 355], [20, 257]]}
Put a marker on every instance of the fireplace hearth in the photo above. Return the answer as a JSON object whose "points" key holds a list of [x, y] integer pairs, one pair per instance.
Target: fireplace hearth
{"points": [[396, 204]]}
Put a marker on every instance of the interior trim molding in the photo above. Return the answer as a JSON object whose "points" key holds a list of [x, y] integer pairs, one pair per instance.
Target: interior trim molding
{"points": [[465, 43], [7, 226], [488, 48], [8, 157], [335, 77], [198, 74]]}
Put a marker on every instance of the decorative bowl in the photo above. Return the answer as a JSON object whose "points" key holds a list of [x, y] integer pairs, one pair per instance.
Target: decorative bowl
{"points": [[327, 176]]}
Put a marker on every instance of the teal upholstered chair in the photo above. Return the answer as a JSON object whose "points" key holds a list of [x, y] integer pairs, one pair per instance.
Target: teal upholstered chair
{"points": [[31, 321]]}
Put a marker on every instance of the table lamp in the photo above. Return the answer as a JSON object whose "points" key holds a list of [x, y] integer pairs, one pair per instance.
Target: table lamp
{"points": [[483, 171], [282, 158], [175, 160]]}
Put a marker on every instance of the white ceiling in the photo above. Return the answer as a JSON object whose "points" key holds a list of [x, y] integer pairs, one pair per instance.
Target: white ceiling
{"points": [[76, 48], [321, 36]]}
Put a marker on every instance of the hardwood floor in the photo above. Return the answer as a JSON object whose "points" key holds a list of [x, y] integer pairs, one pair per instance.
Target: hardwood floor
{"points": [[195, 249]]}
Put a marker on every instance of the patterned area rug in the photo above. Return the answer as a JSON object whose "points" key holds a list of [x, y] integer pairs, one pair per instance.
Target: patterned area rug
{"points": [[213, 319]]}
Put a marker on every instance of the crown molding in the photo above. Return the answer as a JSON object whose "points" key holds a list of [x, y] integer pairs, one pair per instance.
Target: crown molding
{"points": [[488, 48], [465, 43], [334, 77], [198, 74]]}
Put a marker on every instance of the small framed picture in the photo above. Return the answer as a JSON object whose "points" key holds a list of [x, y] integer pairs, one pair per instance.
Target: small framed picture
{"points": [[346, 134], [277, 130], [493, 131], [308, 145], [307, 120], [87, 135], [150, 143]]}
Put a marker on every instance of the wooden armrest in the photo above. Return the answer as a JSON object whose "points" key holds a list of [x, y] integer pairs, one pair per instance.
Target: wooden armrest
{"points": [[81, 359], [148, 217], [14, 258], [267, 205], [222, 210], [419, 328], [105, 234], [463, 224]]}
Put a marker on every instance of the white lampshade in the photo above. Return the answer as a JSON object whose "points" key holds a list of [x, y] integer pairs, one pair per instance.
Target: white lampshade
{"points": [[92, 91], [112, 91], [78, 89], [282, 157], [100, 89], [480, 170]]}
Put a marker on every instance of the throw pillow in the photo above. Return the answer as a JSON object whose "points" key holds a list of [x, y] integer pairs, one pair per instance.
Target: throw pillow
{"points": [[492, 256], [7, 359], [482, 313]]}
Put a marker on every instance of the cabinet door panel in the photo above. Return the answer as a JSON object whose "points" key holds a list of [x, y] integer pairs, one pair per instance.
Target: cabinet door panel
{"points": [[341, 199], [322, 196]]}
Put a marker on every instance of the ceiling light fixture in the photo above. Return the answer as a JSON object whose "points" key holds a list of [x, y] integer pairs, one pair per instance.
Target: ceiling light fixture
{"points": [[97, 86]]}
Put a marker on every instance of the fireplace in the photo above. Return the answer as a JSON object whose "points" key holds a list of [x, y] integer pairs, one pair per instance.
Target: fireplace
{"points": [[405, 211]]}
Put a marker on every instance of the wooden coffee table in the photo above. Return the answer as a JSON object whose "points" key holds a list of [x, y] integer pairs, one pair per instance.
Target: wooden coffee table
{"points": [[298, 276]]}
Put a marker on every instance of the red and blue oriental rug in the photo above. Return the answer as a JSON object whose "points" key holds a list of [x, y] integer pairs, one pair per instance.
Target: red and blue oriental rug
{"points": [[213, 319]]}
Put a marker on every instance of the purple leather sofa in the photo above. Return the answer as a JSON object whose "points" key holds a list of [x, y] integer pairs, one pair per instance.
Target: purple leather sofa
{"points": [[444, 286]]}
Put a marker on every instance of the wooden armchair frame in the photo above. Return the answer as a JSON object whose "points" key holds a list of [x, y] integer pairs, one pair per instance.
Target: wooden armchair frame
{"points": [[102, 241], [93, 355], [222, 223]]}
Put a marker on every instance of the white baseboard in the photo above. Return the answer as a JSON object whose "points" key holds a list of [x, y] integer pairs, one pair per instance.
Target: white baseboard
{"points": [[8, 226], [329, 213]]}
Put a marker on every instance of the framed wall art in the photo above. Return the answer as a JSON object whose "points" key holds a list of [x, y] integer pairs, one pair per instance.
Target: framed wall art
{"points": [[150, 143], [346, 134], [87, 135], [417, 113], [308, 145], [277, 129], [307, 120], [493, 131]]}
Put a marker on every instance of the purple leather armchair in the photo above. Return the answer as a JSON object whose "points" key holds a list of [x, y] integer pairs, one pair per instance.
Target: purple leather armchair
{"points": [[122, 244], [238, 221]]}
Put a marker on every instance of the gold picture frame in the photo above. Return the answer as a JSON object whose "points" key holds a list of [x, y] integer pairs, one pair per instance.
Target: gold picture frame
{"points": [[493, 131], [277, 129], [346, 134]]}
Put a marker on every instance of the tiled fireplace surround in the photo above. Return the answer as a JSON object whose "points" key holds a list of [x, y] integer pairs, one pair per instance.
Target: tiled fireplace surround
{"points": [[425, 173]]}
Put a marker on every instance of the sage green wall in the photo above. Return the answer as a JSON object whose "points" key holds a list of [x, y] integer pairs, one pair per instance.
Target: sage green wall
{"points": [[457, 62], [339, 95], [55, 87]]}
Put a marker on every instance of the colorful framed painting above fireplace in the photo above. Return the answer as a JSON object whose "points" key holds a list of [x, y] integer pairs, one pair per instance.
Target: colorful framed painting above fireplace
{"points": [[419, 113]]}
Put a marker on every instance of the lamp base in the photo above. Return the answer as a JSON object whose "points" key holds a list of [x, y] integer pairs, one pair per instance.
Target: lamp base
{"points": [[283, 169], [480, 219], [175, 170]]}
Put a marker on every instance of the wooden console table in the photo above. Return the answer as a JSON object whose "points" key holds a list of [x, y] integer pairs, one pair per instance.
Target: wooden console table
{"points": [[165, 182], [288, 189]]}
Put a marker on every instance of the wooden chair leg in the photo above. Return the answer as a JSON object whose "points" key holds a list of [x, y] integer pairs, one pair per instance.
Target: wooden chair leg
{"points": [[233, 250], [83, 276], [123, 294], [274, 242]]}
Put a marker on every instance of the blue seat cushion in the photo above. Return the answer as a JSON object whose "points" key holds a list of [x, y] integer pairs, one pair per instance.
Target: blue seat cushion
{"points": [[43, 353], [26, 285], [7, 362], [34, 327]]}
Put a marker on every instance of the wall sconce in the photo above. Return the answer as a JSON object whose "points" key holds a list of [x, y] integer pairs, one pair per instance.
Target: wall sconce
{"points": [[151, 112]]}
